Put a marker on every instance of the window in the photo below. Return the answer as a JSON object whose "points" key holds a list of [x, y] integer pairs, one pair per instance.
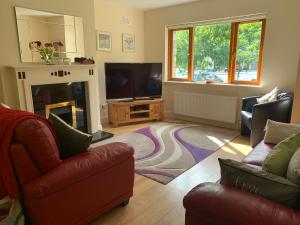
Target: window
{"points": [[225, 52], [181, 45], [211, 57]]}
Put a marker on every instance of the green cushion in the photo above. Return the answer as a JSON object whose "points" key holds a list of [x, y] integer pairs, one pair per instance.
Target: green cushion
{"points": [[71, 141], [293, 172], [257, 181], [278, 159]]}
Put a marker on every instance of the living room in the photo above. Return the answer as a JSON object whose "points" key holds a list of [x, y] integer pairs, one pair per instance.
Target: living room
{"points": [[169, 94]]}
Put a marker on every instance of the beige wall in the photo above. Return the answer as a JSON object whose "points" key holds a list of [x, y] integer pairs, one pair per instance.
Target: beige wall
{"points": [[296, 109], [280, 61], [281, 46], [1, 89], [109, 18], [9, 39]]}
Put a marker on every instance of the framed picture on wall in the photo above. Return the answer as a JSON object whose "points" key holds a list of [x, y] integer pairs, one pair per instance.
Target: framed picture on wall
{"points": [[128, 42], [103, 41]]}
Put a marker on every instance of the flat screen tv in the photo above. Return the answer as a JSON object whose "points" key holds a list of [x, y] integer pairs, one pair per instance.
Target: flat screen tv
{"points": [[133, 80]]}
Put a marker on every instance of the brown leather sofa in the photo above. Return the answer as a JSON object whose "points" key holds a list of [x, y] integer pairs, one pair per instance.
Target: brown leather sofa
{"points": [[73, 191], [217, 204]]}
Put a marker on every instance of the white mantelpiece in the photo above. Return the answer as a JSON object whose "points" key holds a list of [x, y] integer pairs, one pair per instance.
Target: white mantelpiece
{"points": [[28, 75]]}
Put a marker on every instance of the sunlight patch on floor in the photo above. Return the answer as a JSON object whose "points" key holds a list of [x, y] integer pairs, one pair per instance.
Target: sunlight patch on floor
{"points": [[227, 149], [216, 140]]}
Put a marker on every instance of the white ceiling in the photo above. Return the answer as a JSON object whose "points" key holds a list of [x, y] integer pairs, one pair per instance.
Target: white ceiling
{"points": [[149, 4]]}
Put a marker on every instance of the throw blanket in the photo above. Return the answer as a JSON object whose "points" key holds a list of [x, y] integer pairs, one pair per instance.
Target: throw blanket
{"points": [[9, 120], [14, 213]]}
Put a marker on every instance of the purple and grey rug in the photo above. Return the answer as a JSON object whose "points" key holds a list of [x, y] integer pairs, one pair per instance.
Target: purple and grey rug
{"points": [[163, 151]]}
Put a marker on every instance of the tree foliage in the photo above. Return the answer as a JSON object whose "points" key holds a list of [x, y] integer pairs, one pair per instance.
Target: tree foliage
{"points": [[248, 45], [212, 45], [181, 40]]}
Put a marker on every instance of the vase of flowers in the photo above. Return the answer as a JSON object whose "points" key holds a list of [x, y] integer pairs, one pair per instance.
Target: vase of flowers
{"points": [[46, 51]]}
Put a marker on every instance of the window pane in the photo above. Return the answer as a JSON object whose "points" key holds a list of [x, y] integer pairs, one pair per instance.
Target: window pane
{"points": [[180, 54], [248, 49], [211, 52]]}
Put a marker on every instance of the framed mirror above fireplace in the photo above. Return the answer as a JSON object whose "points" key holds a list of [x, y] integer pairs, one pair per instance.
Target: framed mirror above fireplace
{"points": [[65, 32]]}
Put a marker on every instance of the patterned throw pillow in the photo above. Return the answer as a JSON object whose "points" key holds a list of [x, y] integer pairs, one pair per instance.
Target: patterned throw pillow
{"points": [[259, 182], [269, 97], [277, 131]]}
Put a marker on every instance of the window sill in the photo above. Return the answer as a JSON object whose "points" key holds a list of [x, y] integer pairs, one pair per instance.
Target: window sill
{"points": [[212, 84]]}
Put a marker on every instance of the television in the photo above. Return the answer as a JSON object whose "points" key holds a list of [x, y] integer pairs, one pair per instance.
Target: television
{"points": [[133, 80]]}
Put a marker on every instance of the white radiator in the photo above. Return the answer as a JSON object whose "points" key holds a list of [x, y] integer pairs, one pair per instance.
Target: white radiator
{"points": [[206, 106]]}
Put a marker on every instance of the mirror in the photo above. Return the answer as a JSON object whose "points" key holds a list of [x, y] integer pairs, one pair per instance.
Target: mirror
{"points": [[64, 32]]}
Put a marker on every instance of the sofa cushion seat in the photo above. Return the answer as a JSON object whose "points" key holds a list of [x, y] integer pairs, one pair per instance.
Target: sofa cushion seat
{"points": [[258, 154], [247, 118]]}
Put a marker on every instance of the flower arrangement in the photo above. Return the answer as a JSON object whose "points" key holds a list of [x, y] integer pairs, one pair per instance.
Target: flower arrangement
{"points": [[46, 51]]}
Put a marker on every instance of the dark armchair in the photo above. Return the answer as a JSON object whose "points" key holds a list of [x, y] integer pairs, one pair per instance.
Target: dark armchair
{"points": [[255, 116]]}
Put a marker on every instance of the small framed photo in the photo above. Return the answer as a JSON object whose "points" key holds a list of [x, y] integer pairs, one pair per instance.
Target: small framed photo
{"points": [[103, 41], [128, 41]]}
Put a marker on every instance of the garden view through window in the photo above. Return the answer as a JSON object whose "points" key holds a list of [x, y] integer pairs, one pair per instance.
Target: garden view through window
{"points": [[224, 53], [181, 53]]}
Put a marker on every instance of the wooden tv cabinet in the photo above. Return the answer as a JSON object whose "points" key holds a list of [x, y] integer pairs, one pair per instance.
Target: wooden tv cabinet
{"points": [[125, 112]]}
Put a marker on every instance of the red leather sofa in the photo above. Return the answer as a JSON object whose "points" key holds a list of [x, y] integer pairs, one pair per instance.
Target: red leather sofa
{"points": [[73, 191], [217, 204]]}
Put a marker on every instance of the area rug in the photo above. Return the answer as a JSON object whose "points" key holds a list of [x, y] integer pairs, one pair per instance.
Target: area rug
{"points": [[166, 150]]}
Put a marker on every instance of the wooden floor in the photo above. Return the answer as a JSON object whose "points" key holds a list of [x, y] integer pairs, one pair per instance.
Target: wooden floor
{"points": [[157, 204]]}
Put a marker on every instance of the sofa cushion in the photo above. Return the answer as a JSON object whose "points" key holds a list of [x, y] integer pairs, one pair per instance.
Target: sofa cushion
{"points": [[40, 143], [259, 182], [277, 131], [278, 160], [258, 154], [269, 97], [71, 141], [247, 118], [73, 170], [293, 172]]}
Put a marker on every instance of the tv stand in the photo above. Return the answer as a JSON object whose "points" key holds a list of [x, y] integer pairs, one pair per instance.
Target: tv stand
{"points": [[128, 100], [126, 112]]}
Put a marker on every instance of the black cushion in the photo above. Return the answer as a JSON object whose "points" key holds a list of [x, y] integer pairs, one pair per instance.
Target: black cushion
{"points": [[246, 118], [71, 141], [257, 181]]}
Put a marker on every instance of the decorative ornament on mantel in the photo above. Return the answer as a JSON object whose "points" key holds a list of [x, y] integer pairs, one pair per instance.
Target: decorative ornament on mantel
{"points": [[46, 51]]}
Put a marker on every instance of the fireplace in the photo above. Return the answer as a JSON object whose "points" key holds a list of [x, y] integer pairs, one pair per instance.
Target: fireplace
{"points": [[69, 91], [66, 100]]}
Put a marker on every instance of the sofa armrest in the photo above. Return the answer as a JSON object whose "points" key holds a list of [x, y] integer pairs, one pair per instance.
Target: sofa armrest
{"points": [[77, 168], [279, 110], [216, 204], [248, 103]]}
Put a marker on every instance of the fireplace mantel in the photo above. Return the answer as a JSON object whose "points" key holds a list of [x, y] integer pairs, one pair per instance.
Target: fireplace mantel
{"points": [[37, 66], [28, 75]]}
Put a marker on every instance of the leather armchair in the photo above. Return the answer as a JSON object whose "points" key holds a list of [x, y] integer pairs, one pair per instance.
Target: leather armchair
{"points": [[216, 204], [73, 191], [254, 116]]}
